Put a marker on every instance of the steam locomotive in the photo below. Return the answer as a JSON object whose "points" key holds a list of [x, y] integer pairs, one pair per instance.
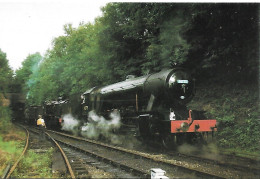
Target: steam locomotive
{"points": [[52, 112], [151, 106]]}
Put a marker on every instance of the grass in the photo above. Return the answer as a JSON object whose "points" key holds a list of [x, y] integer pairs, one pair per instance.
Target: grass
{"points": [[12, 141], [9, 151], [5, 118], [36, 165], [32, 165]]}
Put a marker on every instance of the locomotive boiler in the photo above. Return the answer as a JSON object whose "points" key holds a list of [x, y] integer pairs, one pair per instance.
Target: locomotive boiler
{"points": [[152, 106]]}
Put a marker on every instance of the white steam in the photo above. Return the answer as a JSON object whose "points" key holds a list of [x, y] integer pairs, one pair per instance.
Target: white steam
{"points": [[69, 123], [98, 126]]}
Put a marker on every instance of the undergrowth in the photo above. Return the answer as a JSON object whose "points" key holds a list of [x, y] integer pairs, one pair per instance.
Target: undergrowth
{"points": [[5, 118], [37, 165], [236, 109], [9, 151]]}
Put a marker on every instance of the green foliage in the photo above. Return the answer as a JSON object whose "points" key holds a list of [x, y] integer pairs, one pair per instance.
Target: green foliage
{"points": [[38, 164], [128, 33], [26, 77], [10, 147], [171, 48], [5, 73], [9, 151], [5, 119], [236, 109], [223, 43], [73, 65], [140, 38]]}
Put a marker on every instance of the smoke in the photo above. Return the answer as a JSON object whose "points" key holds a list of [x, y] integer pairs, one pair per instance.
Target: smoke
{"points": [[35, 61], [70, 124], [188, 149], [98, 127]]}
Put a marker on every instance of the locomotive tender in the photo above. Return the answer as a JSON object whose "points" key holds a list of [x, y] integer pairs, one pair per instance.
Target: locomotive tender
{"points": [[152, 105]]}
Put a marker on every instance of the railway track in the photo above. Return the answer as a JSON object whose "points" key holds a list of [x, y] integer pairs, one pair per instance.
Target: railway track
{"points": [[43, 145], [246, 167], [89, 156], [80, 163], [142, 162], [222, 167], [85, 157], [36, 145]]}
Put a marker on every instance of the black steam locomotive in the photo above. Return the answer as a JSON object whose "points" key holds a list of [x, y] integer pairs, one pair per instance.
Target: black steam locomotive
{"points": [[152, 105]]}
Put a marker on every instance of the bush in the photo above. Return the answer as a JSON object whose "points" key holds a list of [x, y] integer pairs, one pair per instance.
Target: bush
{"points": [[5, 119], [236, 109]]}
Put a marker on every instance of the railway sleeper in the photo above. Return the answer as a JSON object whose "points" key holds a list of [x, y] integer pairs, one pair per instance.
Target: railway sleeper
{"points": [[75, 162], [80, 172], [103, 166], [95, 163], [79, 168], [77, 165], [90, 162]]}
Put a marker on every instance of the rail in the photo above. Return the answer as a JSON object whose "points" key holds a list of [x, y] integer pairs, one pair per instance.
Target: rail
{"points": [[64, 156]]}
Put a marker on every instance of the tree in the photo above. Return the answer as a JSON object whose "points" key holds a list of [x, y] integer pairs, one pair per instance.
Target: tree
{"points": [[125, 37], [5, 73], [73, 65], [27, 75], [223, 41], [141, 38]]}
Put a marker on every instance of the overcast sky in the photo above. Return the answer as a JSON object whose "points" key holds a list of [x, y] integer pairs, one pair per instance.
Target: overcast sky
{"points": [[29, 26]]}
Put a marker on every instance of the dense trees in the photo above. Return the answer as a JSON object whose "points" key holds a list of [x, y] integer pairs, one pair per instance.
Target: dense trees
{"points": [[217, 41], [214, 41], [223, 40], [5, 73], [141, 38], [209, 39]]}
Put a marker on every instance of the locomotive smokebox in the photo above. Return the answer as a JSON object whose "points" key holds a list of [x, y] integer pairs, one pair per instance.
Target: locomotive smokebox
{"points": [[173, 85]]}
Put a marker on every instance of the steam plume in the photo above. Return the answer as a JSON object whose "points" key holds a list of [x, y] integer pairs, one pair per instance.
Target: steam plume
{"points": [[70, 123], [98, 126]]}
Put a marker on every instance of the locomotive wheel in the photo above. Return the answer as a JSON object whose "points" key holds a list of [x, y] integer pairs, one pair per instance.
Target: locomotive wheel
{"points": [[196, 139], [169, 141]]}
